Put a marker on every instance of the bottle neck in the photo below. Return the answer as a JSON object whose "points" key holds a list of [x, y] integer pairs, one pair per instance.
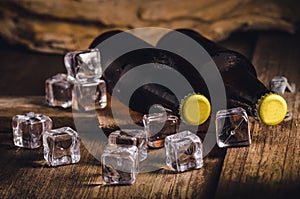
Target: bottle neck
{"points": [[243, 87]]}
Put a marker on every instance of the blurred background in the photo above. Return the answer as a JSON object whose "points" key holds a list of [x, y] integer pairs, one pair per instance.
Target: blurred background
{"points": [[35, 34]]}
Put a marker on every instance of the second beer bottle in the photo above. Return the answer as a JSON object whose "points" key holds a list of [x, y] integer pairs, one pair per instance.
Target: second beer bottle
{"points": [[243, 89]]}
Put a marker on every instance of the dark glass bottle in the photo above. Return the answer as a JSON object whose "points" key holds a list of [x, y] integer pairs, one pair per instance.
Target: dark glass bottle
{"points": [[149, 93], [243, 89]]}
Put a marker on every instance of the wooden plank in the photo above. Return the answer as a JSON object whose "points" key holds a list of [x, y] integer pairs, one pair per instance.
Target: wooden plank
{"points": [[24, 174], [270, 167]]}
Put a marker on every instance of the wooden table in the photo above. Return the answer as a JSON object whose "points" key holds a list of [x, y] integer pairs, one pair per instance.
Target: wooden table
{"points": [[268, 168]]}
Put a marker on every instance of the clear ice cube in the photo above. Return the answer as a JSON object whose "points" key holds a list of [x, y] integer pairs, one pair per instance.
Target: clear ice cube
{"points": [[119, 164], [158, 126], [59, 91], [232, 128], [83, 65], [89, 95], [61, 146], [183, 151], [28, 129], [280, 84], [129, 137]]}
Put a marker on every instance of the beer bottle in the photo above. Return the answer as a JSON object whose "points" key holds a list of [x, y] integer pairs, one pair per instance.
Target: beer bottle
{"points": [[242, 87], [194, 107]]}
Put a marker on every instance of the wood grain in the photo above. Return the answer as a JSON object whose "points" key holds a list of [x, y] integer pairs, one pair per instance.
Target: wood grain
{"points": [[270, 167], [27, 176]]}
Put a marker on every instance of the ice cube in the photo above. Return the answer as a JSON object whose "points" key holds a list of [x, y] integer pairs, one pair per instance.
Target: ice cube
{"points": [[61, 146], [119, 164], [59, 91], [183, 151], [83, 65], [89, 95], [28, 129], [158, 126], [232, 128], [129, 137]]}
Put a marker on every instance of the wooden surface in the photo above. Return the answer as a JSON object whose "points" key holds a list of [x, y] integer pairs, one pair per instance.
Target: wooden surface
{"points": [[268, 168]]}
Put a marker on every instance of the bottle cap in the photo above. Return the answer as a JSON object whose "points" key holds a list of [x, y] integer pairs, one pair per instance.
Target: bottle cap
{"points": [[272, 109], [195, 109]]}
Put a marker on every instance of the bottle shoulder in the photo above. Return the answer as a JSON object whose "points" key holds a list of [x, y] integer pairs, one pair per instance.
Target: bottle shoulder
{"points": [[228, 60]]}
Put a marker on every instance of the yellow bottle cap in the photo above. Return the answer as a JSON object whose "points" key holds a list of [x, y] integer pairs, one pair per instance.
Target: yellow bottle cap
{"points": [[272, 109], [195, 109]]}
